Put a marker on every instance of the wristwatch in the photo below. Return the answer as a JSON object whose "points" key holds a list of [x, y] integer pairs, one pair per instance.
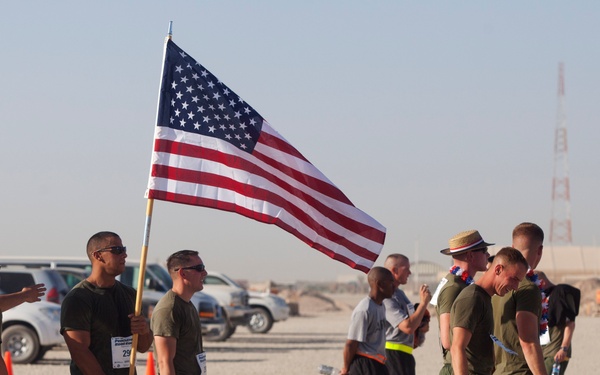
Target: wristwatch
{"points": [[565, 348]]}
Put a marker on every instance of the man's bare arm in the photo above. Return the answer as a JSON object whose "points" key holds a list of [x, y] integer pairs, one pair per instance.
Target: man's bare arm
{"points": [[166, 348], [78, 343], [30, 294], [445, 330], [410, 325], [460, 339], [527, 327], [349, 353]]}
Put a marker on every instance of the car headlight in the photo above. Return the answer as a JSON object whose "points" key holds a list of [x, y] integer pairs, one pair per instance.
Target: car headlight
{"points": [[51, 313]]}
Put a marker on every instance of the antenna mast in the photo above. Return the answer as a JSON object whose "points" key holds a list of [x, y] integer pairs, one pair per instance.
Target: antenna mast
{"points": [[560, 224]]}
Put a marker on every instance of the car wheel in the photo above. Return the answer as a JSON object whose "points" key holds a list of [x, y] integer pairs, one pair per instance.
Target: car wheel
{"points": [[224, 334], [22, 343], [261, 321]]}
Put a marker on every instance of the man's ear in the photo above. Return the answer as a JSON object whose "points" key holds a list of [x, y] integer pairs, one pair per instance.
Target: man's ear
{"points": [[498, 269]]}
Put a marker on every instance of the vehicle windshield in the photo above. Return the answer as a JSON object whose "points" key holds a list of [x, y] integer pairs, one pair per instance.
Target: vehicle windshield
{"points": [[231, 282], [160, 272]]}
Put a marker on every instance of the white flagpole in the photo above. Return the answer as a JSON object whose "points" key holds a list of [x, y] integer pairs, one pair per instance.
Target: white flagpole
{"points": [[146, 240]]}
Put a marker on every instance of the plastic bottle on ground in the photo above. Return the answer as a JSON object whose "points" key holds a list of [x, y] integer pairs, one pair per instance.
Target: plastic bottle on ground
{"points": [[328, 370]]}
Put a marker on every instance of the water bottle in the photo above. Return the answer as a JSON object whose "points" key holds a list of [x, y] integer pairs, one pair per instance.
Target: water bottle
{"points": [[328, 370], [556, 368]]}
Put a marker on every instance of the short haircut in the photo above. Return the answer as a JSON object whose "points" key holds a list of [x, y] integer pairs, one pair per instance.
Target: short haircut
{"points": [[377, 274], [509, 256], [180, 259], [530, 230], [97, 241], [395, 258]]}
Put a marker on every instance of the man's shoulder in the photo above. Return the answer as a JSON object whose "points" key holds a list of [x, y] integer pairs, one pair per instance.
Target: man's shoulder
{"points": [[125, 287], [453, 287], [80, 291], [526, 290]]}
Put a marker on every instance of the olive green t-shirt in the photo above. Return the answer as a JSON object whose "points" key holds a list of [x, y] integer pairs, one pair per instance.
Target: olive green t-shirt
{"points": [[446, 298], [472, 310], [103, 312], [174, 317], [526, 298]]}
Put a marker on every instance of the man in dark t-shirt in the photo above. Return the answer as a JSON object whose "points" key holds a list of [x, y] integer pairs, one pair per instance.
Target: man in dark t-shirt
{"points": [[469, 254], [472, 320], [518, 318], [97, 316]]}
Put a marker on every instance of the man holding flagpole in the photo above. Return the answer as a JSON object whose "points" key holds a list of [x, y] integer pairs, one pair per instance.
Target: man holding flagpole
{"points": [[97, 319]]}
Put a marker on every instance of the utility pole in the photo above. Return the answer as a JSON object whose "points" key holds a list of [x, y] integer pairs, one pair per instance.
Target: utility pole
{"points": [[560, 224]]}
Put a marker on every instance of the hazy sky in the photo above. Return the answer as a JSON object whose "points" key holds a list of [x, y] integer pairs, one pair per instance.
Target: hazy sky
{"points": [[433, 117]]}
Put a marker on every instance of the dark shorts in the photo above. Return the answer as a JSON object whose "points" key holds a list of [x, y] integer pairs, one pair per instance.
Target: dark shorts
{"points": [[399, 363], [366, 366]]}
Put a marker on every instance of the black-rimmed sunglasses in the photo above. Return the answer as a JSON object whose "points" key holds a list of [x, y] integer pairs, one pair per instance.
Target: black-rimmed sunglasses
{"points": [[116, 250], [197, 267]]}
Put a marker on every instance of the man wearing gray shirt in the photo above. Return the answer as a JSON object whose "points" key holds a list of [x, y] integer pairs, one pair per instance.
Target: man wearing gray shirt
{"points": [[403, 318], [364, 352]]}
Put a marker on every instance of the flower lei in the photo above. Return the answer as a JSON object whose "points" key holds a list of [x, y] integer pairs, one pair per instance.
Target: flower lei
{"points": [[464, 275], [534, 278]]}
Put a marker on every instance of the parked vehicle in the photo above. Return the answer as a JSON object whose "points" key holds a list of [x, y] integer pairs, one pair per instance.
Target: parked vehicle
{"points": [[30, 329], [267, 308], [14, 278], [212, 317], [234, 300]]}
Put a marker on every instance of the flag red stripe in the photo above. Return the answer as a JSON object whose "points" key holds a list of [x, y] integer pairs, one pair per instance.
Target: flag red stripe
{"points": [[227, 206], [321, 186], [280, 144], [242, 164], [211, 179]]}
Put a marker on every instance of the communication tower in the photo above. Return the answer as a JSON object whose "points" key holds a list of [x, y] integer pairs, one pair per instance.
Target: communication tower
{"points": [[560, 224]]}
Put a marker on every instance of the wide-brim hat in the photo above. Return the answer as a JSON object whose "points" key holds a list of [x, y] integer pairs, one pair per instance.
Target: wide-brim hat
{"points": [[465, 241]]}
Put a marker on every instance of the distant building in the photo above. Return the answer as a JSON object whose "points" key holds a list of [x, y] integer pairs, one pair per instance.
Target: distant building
{"points": [[424, 272], [568, 264]]}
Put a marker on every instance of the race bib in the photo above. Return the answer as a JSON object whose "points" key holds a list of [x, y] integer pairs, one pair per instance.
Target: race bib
{"points": [[437, 291], [545, 338], [411, 308], [121, 351], [201, 358]]}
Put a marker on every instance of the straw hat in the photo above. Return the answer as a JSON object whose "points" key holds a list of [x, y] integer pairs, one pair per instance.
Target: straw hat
{"points": [[465, 241]]}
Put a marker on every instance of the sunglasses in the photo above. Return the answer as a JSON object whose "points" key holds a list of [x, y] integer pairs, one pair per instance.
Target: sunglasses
{"points": [[116, 250], [197, 267]]}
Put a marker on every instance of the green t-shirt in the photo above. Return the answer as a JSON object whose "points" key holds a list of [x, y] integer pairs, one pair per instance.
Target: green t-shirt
{"points": [[526, 298], [174, 317], [103, 312], [446, 297], [472, 310]]}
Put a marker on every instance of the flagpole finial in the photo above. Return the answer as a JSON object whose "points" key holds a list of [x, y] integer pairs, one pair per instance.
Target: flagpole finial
{"points": [[170, 33]]}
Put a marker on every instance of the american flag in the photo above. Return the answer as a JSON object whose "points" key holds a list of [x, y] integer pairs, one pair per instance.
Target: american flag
{"points": [[212, 149]]}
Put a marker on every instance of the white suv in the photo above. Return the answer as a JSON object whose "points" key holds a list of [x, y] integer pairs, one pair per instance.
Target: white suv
{"points": [[30, 329]]}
